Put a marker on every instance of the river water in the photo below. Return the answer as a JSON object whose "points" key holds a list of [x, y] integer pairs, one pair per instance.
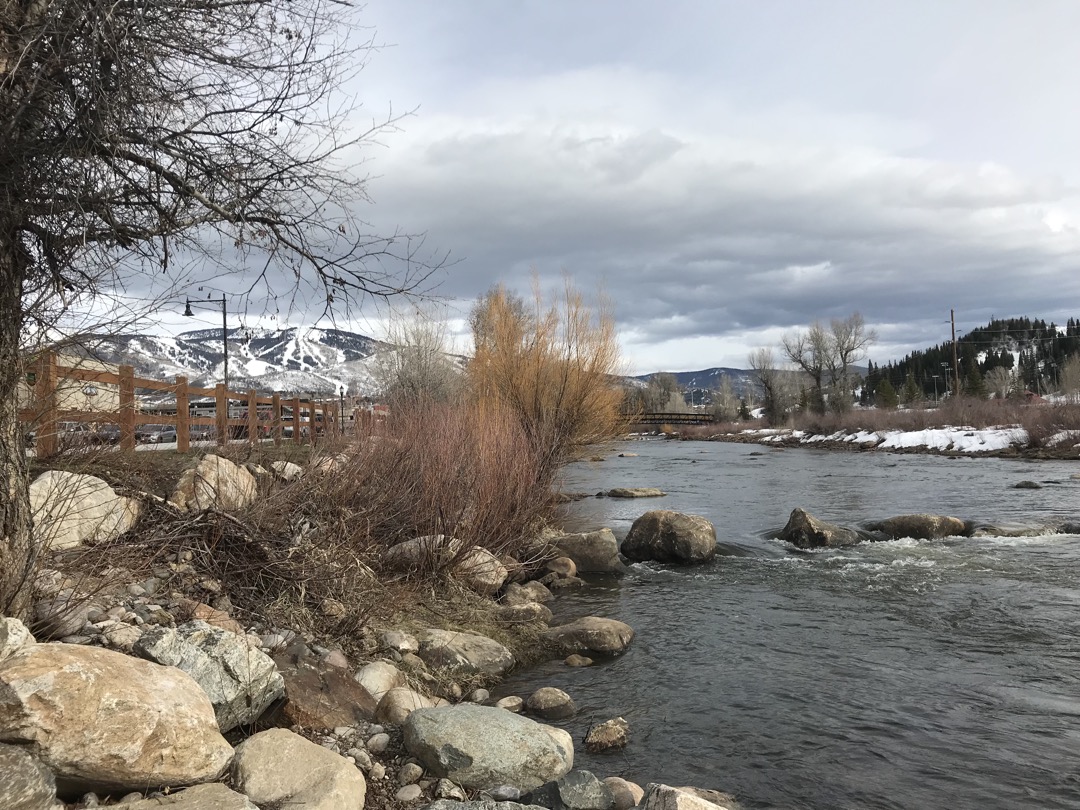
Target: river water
{"points": [[905, 674]]}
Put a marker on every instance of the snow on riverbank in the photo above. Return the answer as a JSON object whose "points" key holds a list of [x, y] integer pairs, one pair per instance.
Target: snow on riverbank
{"points": [[955, 439]]}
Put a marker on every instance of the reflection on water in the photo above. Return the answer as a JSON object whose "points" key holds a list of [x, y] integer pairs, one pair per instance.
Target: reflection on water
{"points": [[889, 675]]}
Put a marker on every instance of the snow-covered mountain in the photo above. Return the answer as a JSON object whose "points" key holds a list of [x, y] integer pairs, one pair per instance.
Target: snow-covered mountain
{"points": [[293, 360]]}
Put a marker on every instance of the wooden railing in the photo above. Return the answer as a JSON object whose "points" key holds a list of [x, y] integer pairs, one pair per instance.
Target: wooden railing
{"points": [[669, 418], [263, 415]]}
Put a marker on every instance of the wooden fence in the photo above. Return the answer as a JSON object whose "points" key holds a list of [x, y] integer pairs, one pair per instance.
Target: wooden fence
{"points": [[261, 416]]}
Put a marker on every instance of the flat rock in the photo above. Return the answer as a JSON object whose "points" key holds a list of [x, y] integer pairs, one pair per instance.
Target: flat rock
{"points": [[921, 527], [635, 492], [240, 681], [670, 537], [525, 613], [592, 634], [592, 552], [214, 796], [482, 747], [104, 721], [806, 531], [278, 768], [319, 696], [463, 654]]}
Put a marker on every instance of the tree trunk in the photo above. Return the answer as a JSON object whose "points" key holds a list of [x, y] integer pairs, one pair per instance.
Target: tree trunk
{"points": [[17, 553]]}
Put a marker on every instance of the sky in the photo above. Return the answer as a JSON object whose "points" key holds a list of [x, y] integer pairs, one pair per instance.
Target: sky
{"points": [[726, 172]]}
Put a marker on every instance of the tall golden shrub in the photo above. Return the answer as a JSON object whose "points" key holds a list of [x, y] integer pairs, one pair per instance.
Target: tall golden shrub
{"points": [[552, 363]]}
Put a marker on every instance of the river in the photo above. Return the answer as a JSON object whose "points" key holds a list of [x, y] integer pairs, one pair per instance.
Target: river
{"points": [[890, 675]]}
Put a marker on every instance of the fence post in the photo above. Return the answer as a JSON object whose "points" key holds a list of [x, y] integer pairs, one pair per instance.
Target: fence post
{"points": [[127, 408], [296, 420], [46, 390], [277, 418], [253, 417], [183, 416], [222, 413]]}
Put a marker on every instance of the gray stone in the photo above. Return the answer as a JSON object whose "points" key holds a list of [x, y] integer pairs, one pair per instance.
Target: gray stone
{"points": [[592, 634], [626, 794], [122, 636], [576, 660], [26, 784], [577, 790], [480, 696], [214, 483], [806, 531], [463, 654], [551, 704], [399, 641], [378, 743], [56, 618], [13, 637], [409, 793], [561, 566], [592, 552], [410, 772], [278, 768], [511, 703], [479, 804], [481, 747], [670, 537], [286, 470], [70, 509], [241, 682], [518, 594], [428, 553], [481, 571], [379, 677], [445, 789], [1027, 485], [525, 614], [397, 704], [635, 492]]}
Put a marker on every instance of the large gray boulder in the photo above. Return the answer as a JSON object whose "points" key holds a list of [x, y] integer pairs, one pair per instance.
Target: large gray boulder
{"points": [[25, 784], [483, 746], [240, 680], [806, 531], [921, 527], [70, 509], [670, 537], [635, 492], [592, 552], [592, 634], [463, 654], [214, 483], [481, 571], [104, 721], [278, 768]]}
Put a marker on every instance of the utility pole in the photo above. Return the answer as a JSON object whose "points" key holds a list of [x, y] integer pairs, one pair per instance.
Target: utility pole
{"points": [[955, 363]]}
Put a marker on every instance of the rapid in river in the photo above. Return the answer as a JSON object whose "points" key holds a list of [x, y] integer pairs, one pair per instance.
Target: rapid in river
{"points": [[903, 674]]}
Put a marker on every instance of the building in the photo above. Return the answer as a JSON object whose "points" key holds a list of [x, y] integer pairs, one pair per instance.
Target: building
{"points": [[72, 393]]}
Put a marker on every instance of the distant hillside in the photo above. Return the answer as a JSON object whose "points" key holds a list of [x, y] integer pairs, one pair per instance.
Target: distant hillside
{"points": [[1033, 351]]}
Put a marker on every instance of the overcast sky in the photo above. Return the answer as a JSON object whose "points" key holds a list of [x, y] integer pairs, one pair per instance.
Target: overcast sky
{"points": [[728, 171]]}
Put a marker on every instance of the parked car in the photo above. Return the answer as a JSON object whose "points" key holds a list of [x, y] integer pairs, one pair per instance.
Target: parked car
{"points": [[155, 434], [107, 434]]}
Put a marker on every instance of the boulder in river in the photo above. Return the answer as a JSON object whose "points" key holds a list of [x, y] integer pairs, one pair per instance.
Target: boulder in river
{"points": [[592, 552], [463, 654], [577, 790], [664, 797], [635, 492], [671, 537], [806, 531], [921, 527], [592, 634]]}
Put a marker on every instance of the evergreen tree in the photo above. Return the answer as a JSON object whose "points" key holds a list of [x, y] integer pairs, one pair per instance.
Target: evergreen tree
{"points": [[974, 384], [885, 396], [912, 394]]}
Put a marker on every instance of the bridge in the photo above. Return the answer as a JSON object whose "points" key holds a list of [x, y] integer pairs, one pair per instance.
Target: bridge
{"points": [[669, 418]]}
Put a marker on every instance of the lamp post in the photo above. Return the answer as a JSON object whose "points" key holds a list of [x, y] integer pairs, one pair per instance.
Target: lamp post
{"points": [[935, 376], [224, 330], [341, 409]]}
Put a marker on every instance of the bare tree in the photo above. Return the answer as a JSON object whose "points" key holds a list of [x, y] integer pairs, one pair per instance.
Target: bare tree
{"points": [[826, 356], [725, 407], [999, 380], [775, 389], [139, 136], [417, 367], [1070, 378]]}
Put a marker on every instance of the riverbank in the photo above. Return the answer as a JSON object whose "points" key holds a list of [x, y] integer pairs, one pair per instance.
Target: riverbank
{"points": [[234, 648]]}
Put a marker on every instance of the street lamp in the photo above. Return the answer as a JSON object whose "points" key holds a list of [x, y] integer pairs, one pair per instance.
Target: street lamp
{"points": [[935, 376], [224, 328], [341, 410]]}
